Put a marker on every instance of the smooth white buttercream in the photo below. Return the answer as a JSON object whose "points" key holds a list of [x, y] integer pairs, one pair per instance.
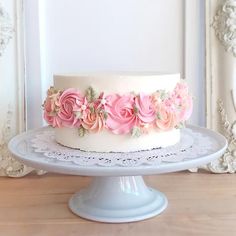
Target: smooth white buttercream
{"points": [[118, 83], [106, 141]]}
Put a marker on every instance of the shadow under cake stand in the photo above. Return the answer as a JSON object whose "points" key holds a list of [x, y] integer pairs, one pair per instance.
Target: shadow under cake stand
{"points": [[117, 192]]}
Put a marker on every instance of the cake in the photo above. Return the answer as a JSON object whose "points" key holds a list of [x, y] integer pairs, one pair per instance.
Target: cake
{"points": [[117, 112]]}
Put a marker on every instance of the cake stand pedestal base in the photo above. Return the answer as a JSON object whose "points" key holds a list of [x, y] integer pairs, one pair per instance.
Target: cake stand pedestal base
{"points": [[117, 200]]}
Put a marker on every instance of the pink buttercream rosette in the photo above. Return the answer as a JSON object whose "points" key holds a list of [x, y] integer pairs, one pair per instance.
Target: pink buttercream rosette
{"points": [[129, 111], [71, 102]]}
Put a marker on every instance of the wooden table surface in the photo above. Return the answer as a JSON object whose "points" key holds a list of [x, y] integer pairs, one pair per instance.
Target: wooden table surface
{"points": [[199, 204]]}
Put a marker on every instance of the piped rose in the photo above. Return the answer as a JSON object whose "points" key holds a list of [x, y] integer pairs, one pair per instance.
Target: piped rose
{"points": [[166, 118], [145, 108], [182, 101], [71, 102], [51, 107], [93, 121], [121, 113]]}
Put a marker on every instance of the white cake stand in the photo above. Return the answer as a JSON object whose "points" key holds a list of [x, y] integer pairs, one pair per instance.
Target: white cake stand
{"points": [[117, 193]]}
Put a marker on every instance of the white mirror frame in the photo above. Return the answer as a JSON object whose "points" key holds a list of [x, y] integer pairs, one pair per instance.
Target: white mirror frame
{"points": [[221, 78], [220, 64], [12, 79]]}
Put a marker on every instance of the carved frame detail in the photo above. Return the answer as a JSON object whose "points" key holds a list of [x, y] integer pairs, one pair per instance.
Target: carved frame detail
{"points": [[224, 24], [6, 29], [11, 33], [220, 76], [8, 165]]}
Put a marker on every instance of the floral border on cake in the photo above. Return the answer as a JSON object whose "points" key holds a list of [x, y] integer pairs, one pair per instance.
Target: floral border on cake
{"points": [[129, 113]]}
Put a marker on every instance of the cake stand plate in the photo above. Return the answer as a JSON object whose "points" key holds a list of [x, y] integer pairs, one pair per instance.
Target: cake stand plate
{"points": [[117, 192]]}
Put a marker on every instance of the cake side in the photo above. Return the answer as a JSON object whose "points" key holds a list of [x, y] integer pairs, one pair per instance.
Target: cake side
{"points": [[106, 141], [117, 112]]}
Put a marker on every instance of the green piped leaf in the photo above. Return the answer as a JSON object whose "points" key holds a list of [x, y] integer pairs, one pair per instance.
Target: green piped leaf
{"points": [[92, 109], [181, 125], [134, 93], [136, 132], [78, 114], [163, 94], [105, 114], [90, 94], [135, 109], [81, 131]]}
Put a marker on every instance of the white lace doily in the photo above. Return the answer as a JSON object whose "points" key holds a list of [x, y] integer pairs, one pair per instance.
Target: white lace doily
{"points": [[193, 144]]}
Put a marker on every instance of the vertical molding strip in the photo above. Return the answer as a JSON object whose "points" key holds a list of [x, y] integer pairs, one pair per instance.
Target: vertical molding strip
{"points": [[12, 76]]}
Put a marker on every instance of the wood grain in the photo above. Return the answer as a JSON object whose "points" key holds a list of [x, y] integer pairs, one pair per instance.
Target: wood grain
{"points": [[199, 204]]}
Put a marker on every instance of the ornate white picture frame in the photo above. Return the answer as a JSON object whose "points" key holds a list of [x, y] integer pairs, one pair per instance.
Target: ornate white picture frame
{"points": [[12, 89], [220, 26], [221, 78]]}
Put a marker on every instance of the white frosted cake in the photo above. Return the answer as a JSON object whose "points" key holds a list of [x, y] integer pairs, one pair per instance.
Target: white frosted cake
{"points": [[117, 112]]}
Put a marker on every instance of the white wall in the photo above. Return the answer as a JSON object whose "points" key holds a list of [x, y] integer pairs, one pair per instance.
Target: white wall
{"points": [[69, 36]]}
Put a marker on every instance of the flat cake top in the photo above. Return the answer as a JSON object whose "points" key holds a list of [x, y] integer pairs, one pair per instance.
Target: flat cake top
{"points": [[146, 82]]}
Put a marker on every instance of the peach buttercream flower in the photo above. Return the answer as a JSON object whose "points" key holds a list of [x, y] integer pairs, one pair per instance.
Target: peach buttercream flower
{"points": [[93, 121], [156, 98], [70, 101], [166, 118], [51, 107]]}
